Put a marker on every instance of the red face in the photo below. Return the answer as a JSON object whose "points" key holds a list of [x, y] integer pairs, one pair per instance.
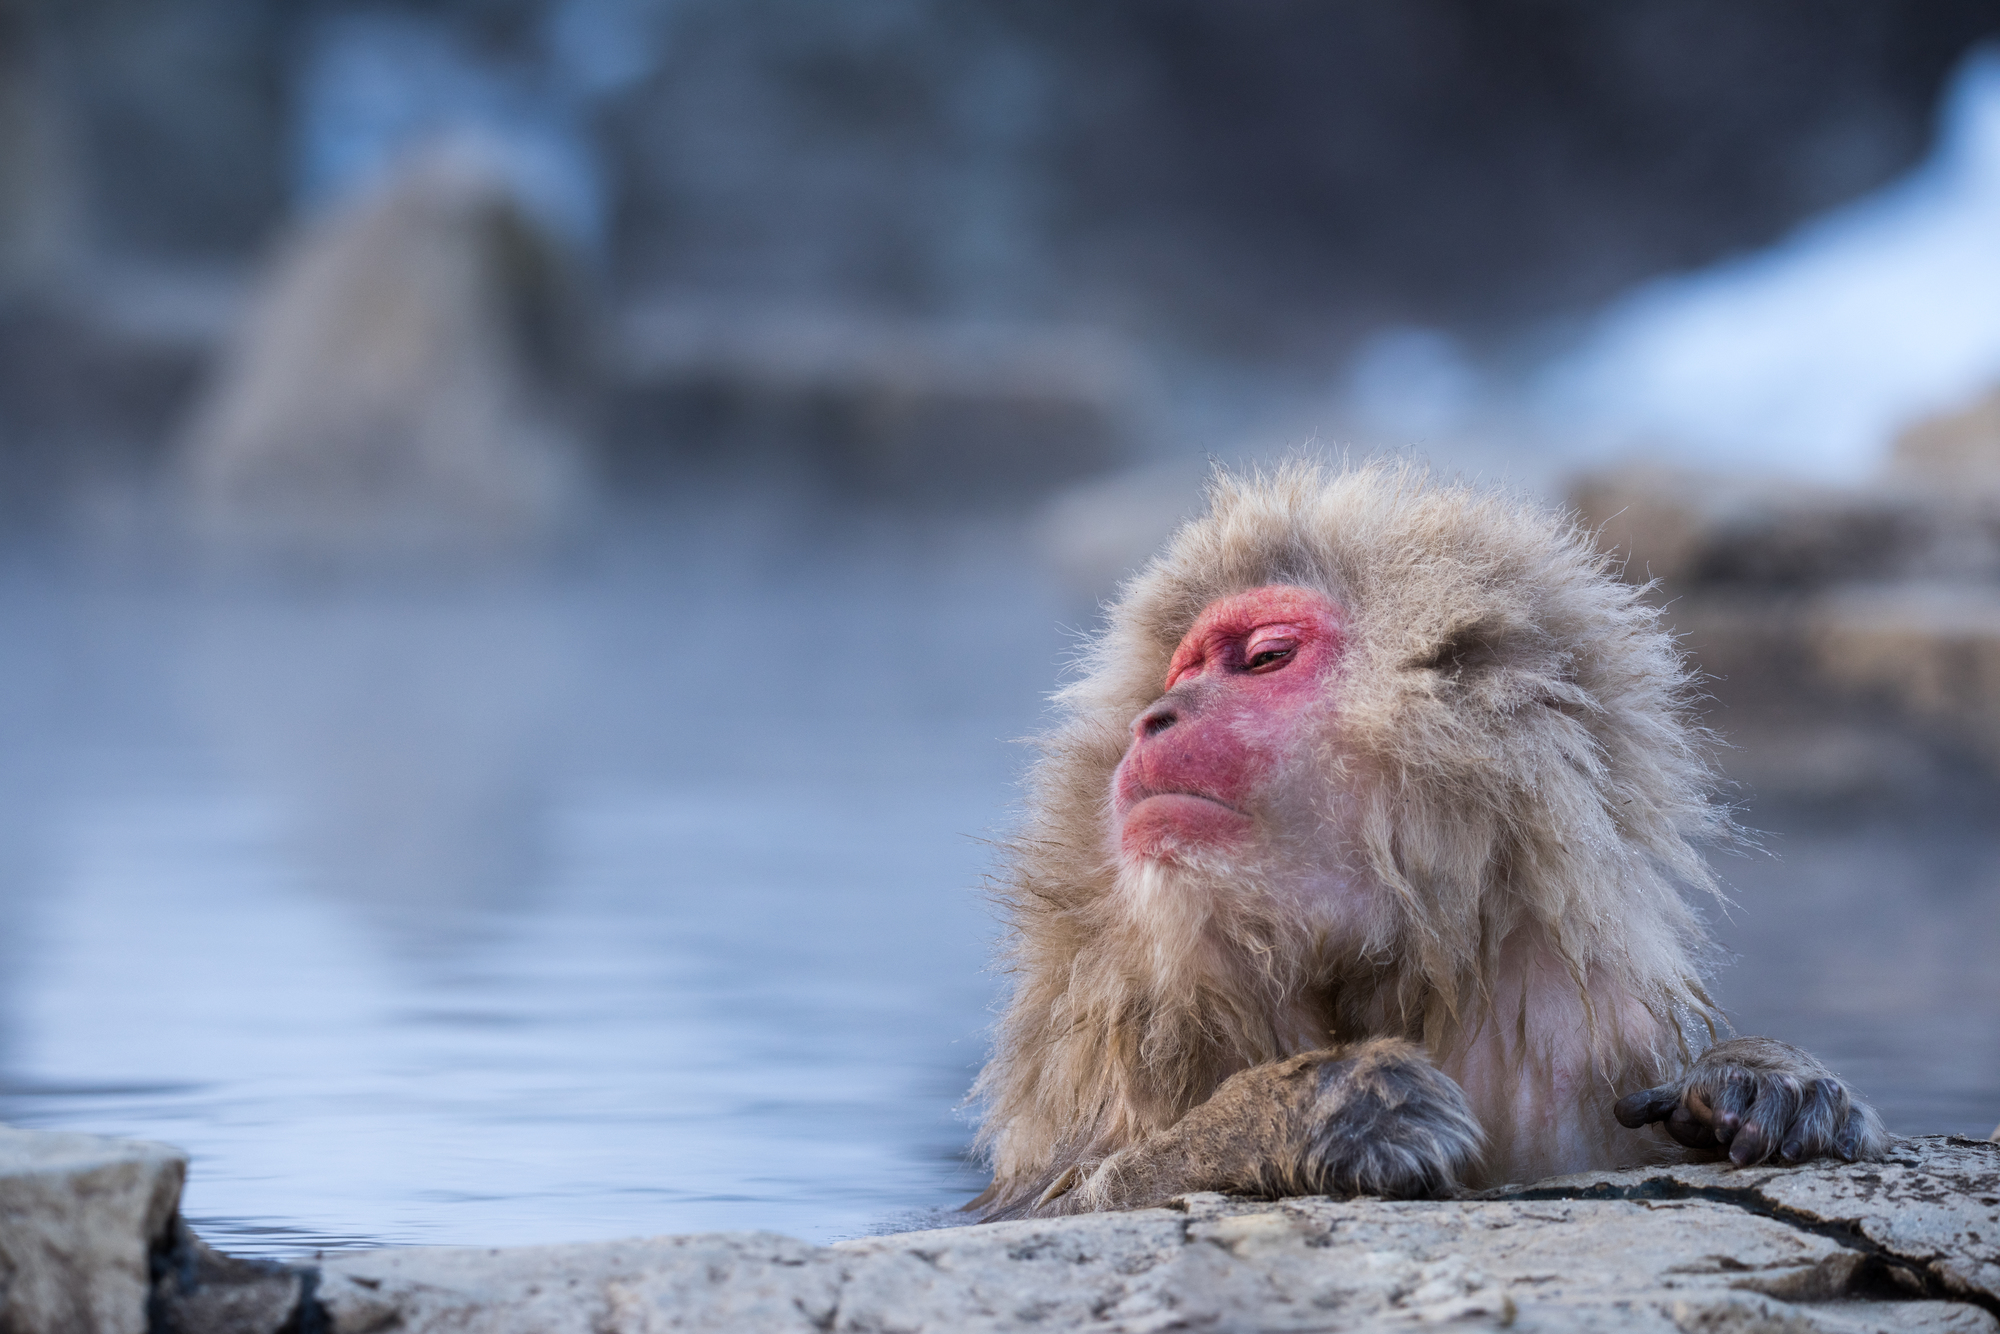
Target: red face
{"points": [[1243, 693]]}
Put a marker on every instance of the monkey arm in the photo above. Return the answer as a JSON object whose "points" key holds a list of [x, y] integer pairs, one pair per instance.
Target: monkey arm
{"points": [[1372, 1118], [1756, 1098]]}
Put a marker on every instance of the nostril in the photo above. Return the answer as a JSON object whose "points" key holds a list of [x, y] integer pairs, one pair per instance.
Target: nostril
{"points": [[1155, 721]]}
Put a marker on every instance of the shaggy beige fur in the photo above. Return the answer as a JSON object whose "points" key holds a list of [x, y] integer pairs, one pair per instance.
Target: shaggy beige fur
{"points": [[1512, 775]]}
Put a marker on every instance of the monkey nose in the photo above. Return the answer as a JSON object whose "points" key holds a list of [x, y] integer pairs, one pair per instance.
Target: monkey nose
{"points": [[1155, 720]]}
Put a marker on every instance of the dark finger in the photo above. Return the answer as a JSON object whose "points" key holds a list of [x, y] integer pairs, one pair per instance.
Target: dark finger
{"points": [[1847, 1141], [1822, 1112], [1690, 1129], [1647, 1106], [1764, 1126], [1731, 1103]]}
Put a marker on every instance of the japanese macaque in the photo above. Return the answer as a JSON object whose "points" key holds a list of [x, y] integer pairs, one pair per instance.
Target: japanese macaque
{"points": [[1355, 866]]}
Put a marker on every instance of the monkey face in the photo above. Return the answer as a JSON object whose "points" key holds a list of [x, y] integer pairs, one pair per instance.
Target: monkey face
{"points": [[1208, 767]]}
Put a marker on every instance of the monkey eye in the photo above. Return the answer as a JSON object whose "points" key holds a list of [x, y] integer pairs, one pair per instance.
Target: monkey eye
{"points": [[1267, 655]]}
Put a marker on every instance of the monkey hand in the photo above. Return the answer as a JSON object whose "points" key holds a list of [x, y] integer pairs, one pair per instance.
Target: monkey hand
{"points": [[1375, 1118], [1756, 1099]]}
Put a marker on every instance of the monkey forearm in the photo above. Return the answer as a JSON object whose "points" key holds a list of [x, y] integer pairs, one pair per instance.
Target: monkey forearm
{"points": [[1235, 1142], [1375, 1118], [1151, 1172]]}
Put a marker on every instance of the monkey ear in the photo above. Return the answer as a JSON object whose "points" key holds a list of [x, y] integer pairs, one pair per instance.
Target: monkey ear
{"points": [[1472, 646]]}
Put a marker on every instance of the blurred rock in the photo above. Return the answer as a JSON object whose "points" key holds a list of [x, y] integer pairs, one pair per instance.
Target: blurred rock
{"points": [[39, 205], [1926, 652], [1963, 445], [1849, 637], [94, 378], [1268, 180], [1218, 172], [890, 406], [202, 1291], [396, 384], [80, 1217], [178, 117], [1699, 530]]}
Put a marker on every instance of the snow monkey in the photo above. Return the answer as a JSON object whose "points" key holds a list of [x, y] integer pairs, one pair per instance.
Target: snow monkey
{"points": [[1355, 866]]}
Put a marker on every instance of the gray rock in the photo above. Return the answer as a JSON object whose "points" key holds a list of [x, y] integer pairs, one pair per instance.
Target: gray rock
{"points": [[1696, 531], [80, 1217], [1851, 634], [1928, 652], [728, 1280], [201, 1291], [1912, 1243], [395, 386], [1855, 691], [1904, 1245], [1962, 445], [39, 169], [1930, 1215], [896, 406]]}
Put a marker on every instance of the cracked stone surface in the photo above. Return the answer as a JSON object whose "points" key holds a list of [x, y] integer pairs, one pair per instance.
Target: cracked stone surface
{"points": [[1911, 1244], [1933, 1206]]}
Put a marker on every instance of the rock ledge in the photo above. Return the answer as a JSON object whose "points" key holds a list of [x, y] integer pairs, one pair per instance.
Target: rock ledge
{"points": [[1912, 1243]]}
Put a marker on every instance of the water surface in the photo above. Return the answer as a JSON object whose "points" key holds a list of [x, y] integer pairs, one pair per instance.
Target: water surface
{"points": [[639, 895]]}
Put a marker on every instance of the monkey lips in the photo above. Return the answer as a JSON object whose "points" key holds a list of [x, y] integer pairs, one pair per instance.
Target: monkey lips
{"points": [[1243, 683]]}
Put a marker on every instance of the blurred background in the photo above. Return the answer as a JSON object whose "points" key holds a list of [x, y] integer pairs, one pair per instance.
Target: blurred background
{"points": [[530, 529]]}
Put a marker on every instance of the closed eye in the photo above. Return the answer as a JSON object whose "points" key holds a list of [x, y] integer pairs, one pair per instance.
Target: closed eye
{"points": [[1269, 659]]}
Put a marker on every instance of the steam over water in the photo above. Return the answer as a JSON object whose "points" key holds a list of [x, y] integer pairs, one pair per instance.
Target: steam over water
{"points": [[641, 894]]}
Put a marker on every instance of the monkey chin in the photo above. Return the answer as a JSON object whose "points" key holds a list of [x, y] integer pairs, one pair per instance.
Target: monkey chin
{"points": [[1174, 827]]}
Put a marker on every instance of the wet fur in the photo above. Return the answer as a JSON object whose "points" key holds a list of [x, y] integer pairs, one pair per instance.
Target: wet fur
{"points": [[1517, 790]]}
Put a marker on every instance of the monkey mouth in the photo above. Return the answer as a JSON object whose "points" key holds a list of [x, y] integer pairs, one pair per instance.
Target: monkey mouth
{"points": [[1176, 795], [1164, 825]]}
